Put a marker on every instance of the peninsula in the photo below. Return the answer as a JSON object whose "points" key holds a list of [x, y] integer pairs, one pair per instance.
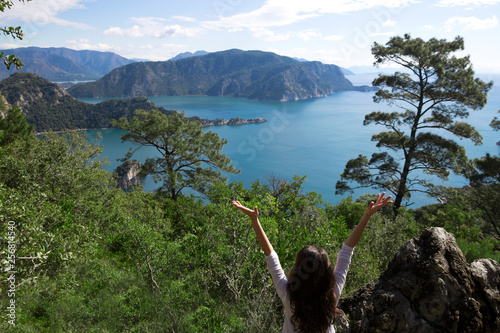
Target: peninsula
{"points": [[49, 107]]}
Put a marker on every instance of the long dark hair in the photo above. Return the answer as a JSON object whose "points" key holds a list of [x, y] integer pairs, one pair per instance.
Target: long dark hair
{"points": [[311, 289]]}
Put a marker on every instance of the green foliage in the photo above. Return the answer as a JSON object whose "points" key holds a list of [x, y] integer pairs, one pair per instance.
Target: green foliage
{"points": [[14, 32], [13, 124], [495, 123], [439, 90], [190, 158], [93, 258], [471, 214], [484, 248]]}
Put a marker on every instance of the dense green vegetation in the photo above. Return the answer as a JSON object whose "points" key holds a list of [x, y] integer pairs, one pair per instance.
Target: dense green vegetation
{"points": [[92, 258], [236, 73], [47, 106]]}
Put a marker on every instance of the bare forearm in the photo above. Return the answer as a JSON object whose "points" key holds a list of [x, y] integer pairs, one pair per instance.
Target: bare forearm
{"points": [[261, 237], [356, 234], [372, 208]]}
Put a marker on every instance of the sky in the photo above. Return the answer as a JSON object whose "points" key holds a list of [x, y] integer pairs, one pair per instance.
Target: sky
{"points": [[339, 32]]}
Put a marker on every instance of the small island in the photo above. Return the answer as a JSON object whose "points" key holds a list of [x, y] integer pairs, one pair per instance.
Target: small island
{"points": [[231, 122]]}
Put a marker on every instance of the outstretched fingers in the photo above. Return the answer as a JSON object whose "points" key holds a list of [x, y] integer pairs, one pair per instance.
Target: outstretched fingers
{"points": [[381, 201], [248, 211]]}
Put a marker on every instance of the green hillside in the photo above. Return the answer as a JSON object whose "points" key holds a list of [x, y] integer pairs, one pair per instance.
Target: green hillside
{"points": [[49, 107], [235, 73]]}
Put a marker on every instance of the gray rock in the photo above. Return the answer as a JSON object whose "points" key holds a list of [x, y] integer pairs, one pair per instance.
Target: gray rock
{"points": [[127, 174], [428, 287]]}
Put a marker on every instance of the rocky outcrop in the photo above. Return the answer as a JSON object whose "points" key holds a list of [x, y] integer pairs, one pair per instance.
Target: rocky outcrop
{"points": [[428, 287], [231, 122], [127, 174], [239, 121], [209, 122]]}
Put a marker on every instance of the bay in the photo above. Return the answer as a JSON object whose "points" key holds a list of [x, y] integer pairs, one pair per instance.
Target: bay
{"points": [[311, 137]]}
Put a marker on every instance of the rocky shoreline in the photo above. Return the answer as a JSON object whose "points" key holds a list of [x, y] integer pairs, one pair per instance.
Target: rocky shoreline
{"points": [[232, 122]]}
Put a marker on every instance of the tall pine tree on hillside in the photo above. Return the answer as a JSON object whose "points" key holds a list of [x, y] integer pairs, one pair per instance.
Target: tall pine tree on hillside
{"points": [[437, 92], [189, 157]]}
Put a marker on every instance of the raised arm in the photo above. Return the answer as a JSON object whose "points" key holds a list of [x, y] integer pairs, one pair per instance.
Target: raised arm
{"points": [[259, 232], [356, 234]]}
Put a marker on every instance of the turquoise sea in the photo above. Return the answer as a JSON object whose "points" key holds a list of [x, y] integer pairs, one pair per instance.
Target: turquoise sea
{"points": [[313, 137]]}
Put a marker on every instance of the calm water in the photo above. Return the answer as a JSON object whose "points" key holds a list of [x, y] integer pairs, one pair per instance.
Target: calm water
{"points": [[314, 137]]}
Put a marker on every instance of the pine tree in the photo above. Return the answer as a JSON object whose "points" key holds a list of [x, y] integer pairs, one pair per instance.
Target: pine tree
{"points": [[12, 123], [438, 90], [189, 157]]}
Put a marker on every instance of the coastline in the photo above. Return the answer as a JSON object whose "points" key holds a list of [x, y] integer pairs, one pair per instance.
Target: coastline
{"points": [[204, 122]]}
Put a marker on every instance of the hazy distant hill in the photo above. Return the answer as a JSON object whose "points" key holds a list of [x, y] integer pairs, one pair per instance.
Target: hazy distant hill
{"points": [[62, 64], [344, 70], [236, 73], [188, 55]]}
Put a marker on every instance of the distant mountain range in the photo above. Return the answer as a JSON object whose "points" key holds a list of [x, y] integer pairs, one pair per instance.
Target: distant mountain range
{"points": [[188, 55], [48, 106], [235, 73], [62, 64]]}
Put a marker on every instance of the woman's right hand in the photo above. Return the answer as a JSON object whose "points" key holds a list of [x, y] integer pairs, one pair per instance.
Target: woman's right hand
{"points": [[253, 214]]}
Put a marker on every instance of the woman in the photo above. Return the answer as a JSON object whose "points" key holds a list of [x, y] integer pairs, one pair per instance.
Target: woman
{"points": [[311, 292]]}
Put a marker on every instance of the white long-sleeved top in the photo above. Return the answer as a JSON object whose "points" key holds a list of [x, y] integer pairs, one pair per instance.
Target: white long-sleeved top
{"points": [[280, 282]]}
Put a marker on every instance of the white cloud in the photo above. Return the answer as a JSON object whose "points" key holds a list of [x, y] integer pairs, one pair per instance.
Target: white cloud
{"points": [[308, 34], [280, 13], [276, 13], [269, 35], [7, 46], [333, 37], [470, 23], [184, 18], [45, 12], [389, 23], [387, 33], [84, 44], [474, 3], [152, 27]]}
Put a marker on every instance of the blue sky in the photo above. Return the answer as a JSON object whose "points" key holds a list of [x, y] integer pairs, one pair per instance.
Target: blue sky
{"points": [[337, 32]]}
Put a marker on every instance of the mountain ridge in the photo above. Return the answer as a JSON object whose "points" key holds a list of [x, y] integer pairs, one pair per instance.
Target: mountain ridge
{"points": [[235, 73], [64, 64]]}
